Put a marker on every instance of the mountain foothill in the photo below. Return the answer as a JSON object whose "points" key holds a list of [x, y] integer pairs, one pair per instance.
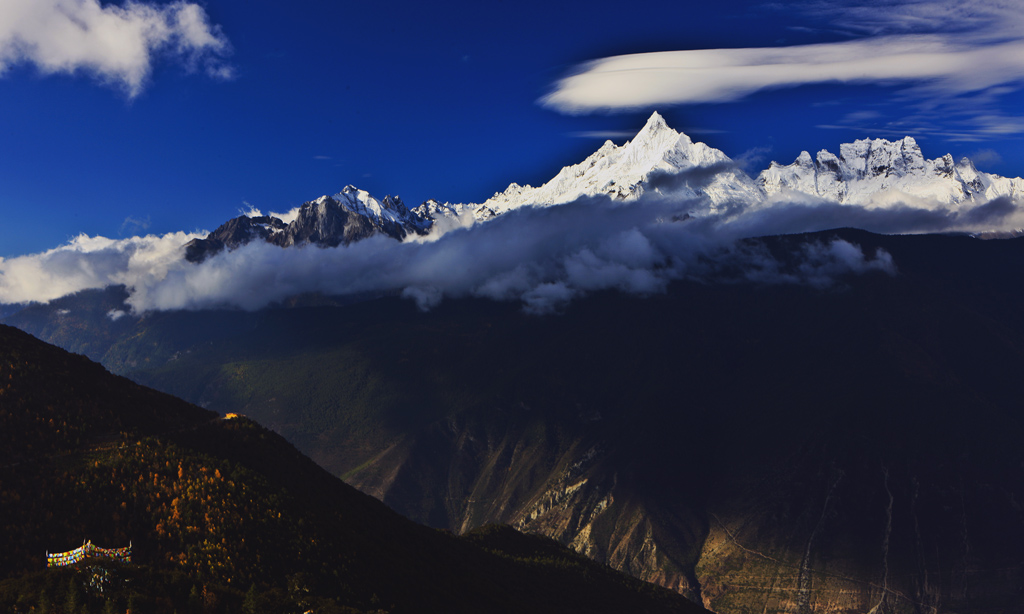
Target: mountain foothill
{"points": [[223, 515]]}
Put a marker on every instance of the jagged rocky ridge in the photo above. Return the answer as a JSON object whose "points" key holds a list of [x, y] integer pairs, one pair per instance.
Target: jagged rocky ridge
{"points": [[876, 173], [328, 221], [867, 169]]}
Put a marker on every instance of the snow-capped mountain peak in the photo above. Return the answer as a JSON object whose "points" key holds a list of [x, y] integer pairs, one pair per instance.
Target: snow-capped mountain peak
{"points": [[871, 158], [653, 141], [658, 160], [624, 173], [875, 172], [391, 209], [350, 215]]}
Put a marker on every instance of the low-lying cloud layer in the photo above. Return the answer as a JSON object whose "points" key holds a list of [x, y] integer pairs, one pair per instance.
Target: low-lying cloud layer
{"points": [[87, 263], [543, 257], [116, 44]]}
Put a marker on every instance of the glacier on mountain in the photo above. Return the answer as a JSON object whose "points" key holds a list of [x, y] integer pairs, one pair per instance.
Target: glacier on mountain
{"points": [[660, 163], [657, 155], [879, 172], [625, 172]]}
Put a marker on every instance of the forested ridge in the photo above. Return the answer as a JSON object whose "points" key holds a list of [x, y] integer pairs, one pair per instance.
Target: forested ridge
{"points": [[225, 516]]}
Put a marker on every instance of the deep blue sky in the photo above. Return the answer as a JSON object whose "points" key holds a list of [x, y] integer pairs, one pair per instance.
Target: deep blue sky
{"points": [[418, 99]]}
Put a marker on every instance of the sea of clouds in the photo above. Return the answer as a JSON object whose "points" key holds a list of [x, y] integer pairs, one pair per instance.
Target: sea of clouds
{"points": [[542, 257]]}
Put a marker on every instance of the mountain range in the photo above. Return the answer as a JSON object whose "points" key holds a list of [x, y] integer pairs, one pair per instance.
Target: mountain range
{"points": [[868, 169], [658, 160], [328, 221]]}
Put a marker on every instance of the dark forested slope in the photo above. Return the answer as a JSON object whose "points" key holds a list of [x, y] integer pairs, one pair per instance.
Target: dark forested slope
{"points": [[790, 447], [225, 516]]}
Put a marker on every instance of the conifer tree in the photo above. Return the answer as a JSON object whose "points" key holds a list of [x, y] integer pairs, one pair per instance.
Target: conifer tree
{"points": [[250, 605], [72, 598]]}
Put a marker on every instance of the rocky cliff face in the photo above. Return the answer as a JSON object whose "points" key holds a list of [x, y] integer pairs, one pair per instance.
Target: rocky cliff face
{"points": [[540, 478], [233, 233], [804, 523], [863, 532], [329, 221]]}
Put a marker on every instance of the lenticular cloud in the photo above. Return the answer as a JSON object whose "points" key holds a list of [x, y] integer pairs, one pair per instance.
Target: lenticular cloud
{"points": [[717, 75], [955, 58]]}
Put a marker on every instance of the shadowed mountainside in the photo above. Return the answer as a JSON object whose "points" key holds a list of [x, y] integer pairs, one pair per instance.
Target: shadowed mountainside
{"points": [[757, 448], [225, 516]]}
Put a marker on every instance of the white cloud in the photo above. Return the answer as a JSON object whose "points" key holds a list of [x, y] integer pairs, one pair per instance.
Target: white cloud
{"points": [[604, 134], [542, 257], [288, 217], [90, 262], [116, 44], [981, 19], [716, 75], [752, 157], [249, 210], [133, 224], [426, 298], [944, 53], [985, 157]]}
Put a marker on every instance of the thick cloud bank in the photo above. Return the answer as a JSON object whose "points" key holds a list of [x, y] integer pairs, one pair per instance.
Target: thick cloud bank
{"points": [[90, 262], [117, 44], [543, 257]]}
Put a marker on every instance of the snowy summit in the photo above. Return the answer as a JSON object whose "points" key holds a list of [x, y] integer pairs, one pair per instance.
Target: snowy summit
{"points": [[658, 160]]}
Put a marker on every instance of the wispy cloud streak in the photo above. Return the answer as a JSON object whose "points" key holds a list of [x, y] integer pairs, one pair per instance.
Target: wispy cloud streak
{"points": [[939, 51]]}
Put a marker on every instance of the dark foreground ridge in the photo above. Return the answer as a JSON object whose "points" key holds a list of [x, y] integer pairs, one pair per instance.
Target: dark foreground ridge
{"points": [[225, 516]]}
